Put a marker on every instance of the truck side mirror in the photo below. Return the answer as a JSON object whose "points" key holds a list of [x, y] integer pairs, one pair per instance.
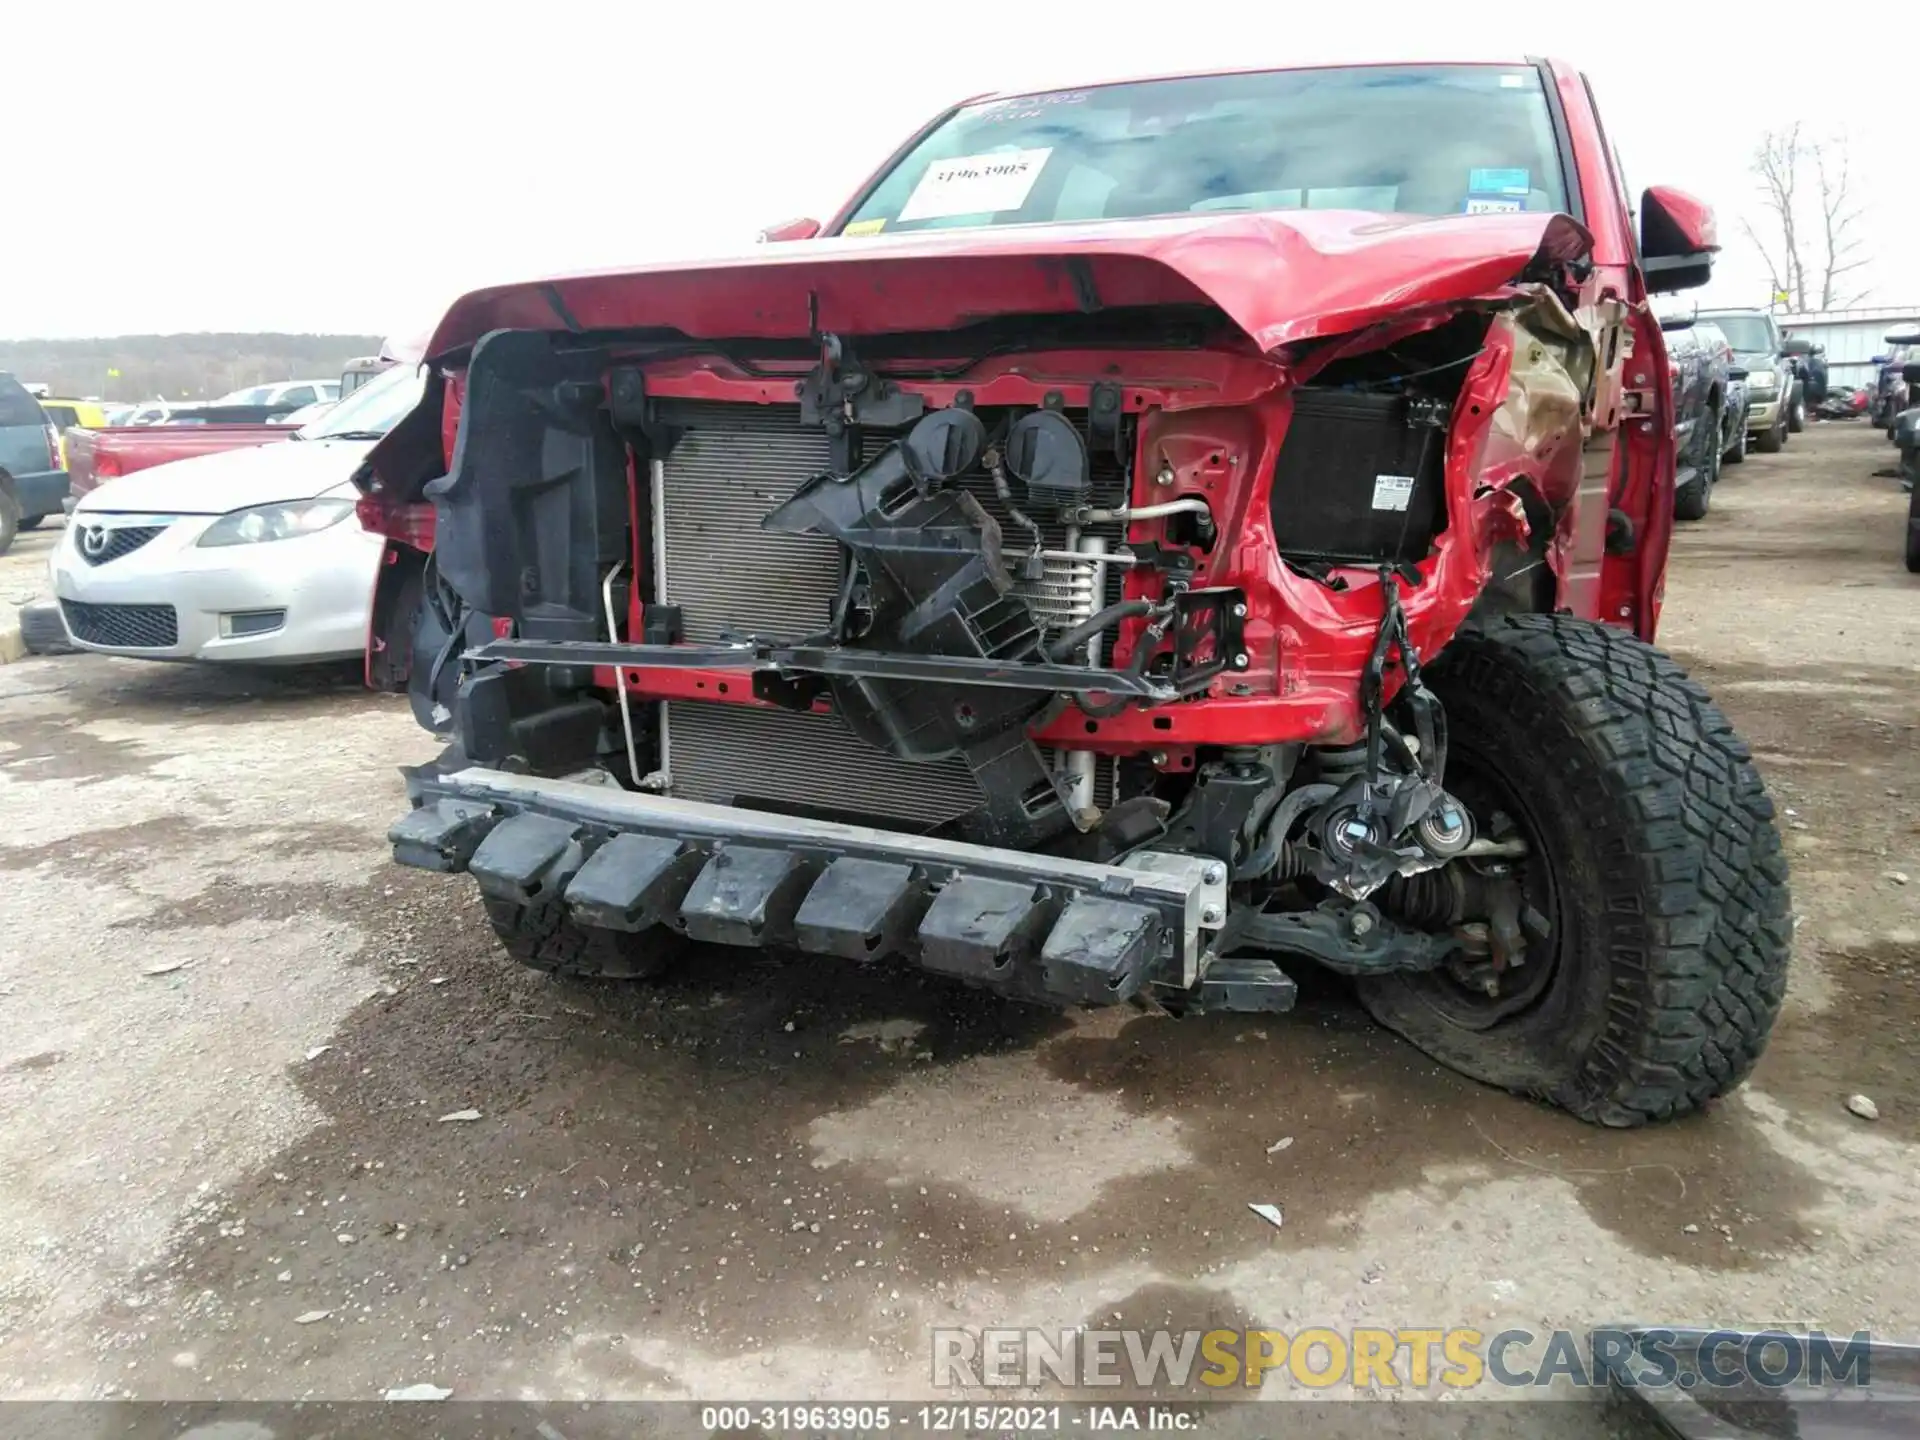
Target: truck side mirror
{"points": [[1678, 239], [804, 228], [1734, 372], [1910, 374]]}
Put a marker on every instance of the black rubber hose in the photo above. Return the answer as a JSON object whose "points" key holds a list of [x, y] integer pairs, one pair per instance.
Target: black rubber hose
{"points": [[1005, 491], [1062, 649], [1095, 710]]}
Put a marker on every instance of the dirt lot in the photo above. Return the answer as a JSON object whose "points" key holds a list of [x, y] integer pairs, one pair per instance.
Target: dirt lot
{"points": [[770, 1176]]}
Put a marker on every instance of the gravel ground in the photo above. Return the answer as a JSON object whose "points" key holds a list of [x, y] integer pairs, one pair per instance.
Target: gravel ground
{"points": [[229, 1031]]}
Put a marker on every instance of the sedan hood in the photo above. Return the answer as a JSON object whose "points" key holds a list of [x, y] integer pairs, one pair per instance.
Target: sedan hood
{"points": [[1280, 277], [230, 479]]}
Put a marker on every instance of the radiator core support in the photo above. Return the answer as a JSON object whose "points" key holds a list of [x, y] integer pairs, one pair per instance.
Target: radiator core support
{"points": [[727, 467]]}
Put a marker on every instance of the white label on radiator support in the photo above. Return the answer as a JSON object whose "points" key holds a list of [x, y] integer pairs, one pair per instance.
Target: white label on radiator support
{"points": [[1392, 492]]}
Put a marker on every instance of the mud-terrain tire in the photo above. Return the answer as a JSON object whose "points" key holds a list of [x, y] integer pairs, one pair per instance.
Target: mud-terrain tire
{"points": [[1666, 958], [542, 938], [1773, 440]]}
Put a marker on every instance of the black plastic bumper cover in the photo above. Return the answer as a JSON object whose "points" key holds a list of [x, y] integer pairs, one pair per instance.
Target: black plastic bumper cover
{"points": [[1040, 927]]}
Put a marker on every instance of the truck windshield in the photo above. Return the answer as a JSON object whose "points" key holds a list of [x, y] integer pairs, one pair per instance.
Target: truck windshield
{"points": [[1422, 140], [372, 410], [1749, 334]]}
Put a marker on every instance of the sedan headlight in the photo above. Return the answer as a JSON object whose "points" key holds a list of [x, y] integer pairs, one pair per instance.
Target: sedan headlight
{"points": [[286, 520]]}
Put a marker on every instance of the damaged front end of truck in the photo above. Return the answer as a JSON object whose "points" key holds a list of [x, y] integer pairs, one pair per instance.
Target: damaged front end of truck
{"points": [[1047, 614]]}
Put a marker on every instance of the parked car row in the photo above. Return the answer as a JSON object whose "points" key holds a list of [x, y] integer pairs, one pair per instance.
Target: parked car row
{"points": [[241, 551], [1739, 381], [55, 449]]}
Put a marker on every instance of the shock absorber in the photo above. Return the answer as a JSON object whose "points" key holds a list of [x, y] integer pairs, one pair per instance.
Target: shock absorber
{"points": [[1092, 579]]}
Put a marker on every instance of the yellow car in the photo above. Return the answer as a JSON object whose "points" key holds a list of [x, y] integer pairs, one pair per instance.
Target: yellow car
{"points": [[87, 414]]}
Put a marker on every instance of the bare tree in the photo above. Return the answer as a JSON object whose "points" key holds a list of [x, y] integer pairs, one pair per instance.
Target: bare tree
{"points": [[1776, 164], [1811, 244], [1841, 249]]}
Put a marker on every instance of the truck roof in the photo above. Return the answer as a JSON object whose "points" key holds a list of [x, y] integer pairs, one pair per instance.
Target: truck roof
{"points": [[1151, 77]]}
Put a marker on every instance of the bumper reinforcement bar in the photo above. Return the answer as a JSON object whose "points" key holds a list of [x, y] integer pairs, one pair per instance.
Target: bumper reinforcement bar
{"points": [[1040, 927]]}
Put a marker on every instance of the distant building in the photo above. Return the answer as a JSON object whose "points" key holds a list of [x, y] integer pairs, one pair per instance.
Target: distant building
{"points": [[1851, 337]]}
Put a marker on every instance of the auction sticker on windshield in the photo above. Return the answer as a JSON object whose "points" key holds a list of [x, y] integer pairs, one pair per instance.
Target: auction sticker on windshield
{"points": [[975, 185]]}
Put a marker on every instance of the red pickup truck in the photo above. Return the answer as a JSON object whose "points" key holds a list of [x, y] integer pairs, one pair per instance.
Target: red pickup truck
{"points": [[96, 456], [1161, 531]]}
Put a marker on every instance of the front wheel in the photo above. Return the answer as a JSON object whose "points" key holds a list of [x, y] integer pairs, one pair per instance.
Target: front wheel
{"points": [[9, 519], [1773, 439], [1655, 885], [1797, 414], [31, 522], [1736, 453], [1691, 501]]}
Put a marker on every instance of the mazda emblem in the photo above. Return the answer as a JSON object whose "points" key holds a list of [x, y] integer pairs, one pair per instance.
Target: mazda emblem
{"points": [[93, 540]]}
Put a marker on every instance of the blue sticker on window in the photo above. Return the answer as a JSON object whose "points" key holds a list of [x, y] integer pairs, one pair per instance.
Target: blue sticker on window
{"points": [[1499, 182]]}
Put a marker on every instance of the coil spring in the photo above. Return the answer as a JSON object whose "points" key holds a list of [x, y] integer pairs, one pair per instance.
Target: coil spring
{"points": [[1338, 762]]}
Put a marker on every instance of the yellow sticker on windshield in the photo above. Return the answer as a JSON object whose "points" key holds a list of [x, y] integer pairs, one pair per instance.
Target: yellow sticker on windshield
{"points": [[866, 227]]}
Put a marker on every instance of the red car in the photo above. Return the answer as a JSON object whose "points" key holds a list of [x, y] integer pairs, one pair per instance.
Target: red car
{"points": [[97, 456], [1158, 533]]}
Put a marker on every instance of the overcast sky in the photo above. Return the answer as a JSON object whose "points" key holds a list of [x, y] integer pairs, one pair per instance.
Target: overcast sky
{"points": [[264, 166]]}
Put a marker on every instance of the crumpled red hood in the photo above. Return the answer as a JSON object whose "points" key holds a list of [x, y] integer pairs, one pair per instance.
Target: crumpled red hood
{"points": [[1281, 278]]}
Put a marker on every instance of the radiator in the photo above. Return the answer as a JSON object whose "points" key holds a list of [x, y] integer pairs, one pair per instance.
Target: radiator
{"points": [[779, 759], [731, 465]]}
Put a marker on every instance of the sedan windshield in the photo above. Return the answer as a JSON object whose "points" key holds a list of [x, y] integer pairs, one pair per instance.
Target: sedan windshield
{"points": [[373, 409], [1423, 140]]}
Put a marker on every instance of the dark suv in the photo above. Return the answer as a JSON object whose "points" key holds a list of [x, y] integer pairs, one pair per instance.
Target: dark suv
{"points": [[1776, 403], [32, 479]]}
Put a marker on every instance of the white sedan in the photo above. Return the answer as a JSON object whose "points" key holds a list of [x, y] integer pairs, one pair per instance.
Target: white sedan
{"points": [[249, 555]]}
